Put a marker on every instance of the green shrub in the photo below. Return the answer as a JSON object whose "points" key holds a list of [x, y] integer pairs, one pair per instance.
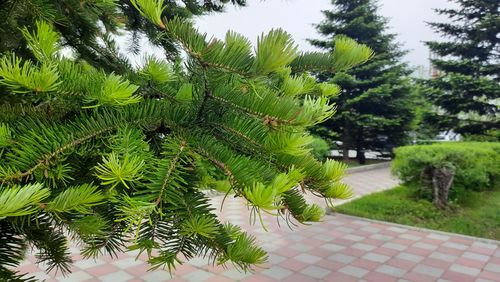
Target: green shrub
{"points": [[320, 148], [476, 164]]}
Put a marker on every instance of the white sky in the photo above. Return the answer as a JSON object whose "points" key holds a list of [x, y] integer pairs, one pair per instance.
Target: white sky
{"points": [[406, 18]]}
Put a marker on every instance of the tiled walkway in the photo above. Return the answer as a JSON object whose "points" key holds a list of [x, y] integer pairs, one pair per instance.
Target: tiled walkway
{"points": [[341, 248]]}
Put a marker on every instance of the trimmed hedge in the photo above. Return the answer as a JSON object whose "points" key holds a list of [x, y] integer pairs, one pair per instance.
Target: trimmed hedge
{"points": [[476, 164]]}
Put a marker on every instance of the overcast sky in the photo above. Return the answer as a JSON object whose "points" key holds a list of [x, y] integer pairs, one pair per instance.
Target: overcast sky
{"points": [[406, 18]]}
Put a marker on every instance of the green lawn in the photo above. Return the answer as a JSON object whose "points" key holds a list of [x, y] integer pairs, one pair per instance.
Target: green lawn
{"points": [[478, 214]]}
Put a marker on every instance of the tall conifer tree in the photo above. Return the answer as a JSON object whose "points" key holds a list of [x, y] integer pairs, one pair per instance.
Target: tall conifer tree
{"points": [[467, 89], [374, 109], [113, 160]]}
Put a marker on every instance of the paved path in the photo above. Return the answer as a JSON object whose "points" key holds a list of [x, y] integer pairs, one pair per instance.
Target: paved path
{"points": [[341, 248], [363, 182]]}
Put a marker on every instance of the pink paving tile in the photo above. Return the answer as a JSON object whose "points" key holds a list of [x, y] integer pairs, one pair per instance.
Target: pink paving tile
{"points": [[216, 269], [173, 279], [379, 277], [108, 258], [455, 276], [258, 278], [460, 240], [373, 242], [366, 264], [419, 277], [403, 241], [389, 232], [401, 263], [353, 252], [28, 268], [471, 262], [219, 278], [415, 233], [286, 252], [495, 260], [313, 242], [489, 275], [343, 242], [293, 264], [418, 251], [480, 250], [321, 252], [185, 268], [102, 270], [138, 270], [335, 234], [441, 264], [432, 241], [362, 233], [449, 251], [340, 277], [76, 257], [297, 277], [378, 225], [386, 252], [307, 234], [329, 264]]}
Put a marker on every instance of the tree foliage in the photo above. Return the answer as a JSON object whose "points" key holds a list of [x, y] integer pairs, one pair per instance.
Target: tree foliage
{"points": [[113, 160], [467, 90], [89, 28], [374, 109]]}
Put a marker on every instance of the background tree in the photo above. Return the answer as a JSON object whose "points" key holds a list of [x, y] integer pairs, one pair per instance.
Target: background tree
{"points": [[467, 93], [113, 163], [374, 110], [424, 124]]}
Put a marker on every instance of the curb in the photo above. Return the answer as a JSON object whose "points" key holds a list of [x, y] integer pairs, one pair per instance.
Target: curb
{"points": [[368, 167], [421, 229]]}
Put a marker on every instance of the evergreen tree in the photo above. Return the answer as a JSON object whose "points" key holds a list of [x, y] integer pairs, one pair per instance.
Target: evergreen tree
{"points": [[114, 161], [374, 110], [467, 92], [89, 27]]}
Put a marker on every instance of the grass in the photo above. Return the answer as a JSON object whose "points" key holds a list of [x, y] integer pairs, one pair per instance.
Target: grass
{"points": [[477, 214]]}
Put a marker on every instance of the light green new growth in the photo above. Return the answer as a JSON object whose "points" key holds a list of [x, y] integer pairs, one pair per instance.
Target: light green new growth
{"points": [[274, 50], [24, 77], [115, 91], [44, 42], [150, 9], [21, 200], [348, 53]]}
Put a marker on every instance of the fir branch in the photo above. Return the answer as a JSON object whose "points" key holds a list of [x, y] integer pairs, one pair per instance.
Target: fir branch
{"points": [[171, 167], [266, 119], [45, 159]]}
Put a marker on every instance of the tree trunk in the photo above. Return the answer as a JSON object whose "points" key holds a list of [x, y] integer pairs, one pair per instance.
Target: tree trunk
{"points": [[346, 142], [442, 179], [360, 155], [360, 151]]}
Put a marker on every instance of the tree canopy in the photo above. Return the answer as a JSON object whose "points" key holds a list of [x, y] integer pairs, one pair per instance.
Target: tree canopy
{"points": [[374, 109], [467, 90], [90, 27]]}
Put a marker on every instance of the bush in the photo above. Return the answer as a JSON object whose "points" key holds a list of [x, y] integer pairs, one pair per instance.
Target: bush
{"points": [[319, 148], [476, 165]]}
